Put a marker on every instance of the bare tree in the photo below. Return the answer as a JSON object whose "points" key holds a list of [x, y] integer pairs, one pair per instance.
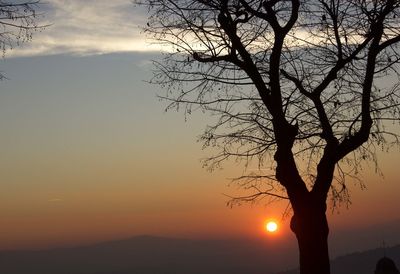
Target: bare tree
{"points": [[306, 88], [18, 21]]}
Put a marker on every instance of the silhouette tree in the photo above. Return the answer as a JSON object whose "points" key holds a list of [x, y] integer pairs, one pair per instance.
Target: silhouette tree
{"points": [[18, 20], [306, 89]]}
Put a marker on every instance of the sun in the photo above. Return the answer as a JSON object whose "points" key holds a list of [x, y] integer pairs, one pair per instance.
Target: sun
{"points": [[271, 226]]}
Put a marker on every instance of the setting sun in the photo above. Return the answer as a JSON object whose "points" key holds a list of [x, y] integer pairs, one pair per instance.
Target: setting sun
{"points": [[271, 226]]}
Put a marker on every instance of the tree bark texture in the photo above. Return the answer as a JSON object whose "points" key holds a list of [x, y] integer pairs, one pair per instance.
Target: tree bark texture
{"points": [[309, 224]]}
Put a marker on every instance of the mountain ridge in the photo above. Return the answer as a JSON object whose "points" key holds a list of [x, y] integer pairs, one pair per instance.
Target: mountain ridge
{"points": [[148, 254]]}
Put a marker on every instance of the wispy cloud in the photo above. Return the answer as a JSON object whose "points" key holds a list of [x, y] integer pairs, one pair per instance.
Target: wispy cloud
{"points": [[87, 27], [55, 200]]}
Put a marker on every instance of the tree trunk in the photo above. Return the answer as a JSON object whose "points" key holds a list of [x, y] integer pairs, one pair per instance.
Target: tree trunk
{"points": [[311, 229]]}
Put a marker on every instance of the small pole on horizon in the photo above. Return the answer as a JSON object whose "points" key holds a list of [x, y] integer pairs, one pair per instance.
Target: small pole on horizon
{"points": [[384, 248]]}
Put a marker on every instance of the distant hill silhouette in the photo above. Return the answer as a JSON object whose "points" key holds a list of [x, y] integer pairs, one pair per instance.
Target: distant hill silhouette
{"points": [[366, 238], [157, 255], [360, 262], [147, 255]]}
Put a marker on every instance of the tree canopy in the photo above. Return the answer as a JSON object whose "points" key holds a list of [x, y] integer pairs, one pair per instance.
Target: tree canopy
{"points": [[18, 21], [327, 70]]}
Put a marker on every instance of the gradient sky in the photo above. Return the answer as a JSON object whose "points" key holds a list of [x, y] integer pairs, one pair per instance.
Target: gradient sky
{"points": [[89, 154]]}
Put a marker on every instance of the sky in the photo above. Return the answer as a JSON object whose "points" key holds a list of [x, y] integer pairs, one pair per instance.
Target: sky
{"points": [[89, 153]]}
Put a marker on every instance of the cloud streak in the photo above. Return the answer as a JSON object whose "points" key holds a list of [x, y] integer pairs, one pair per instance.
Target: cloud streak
{"points": [[87, 28], [55, 200]]}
